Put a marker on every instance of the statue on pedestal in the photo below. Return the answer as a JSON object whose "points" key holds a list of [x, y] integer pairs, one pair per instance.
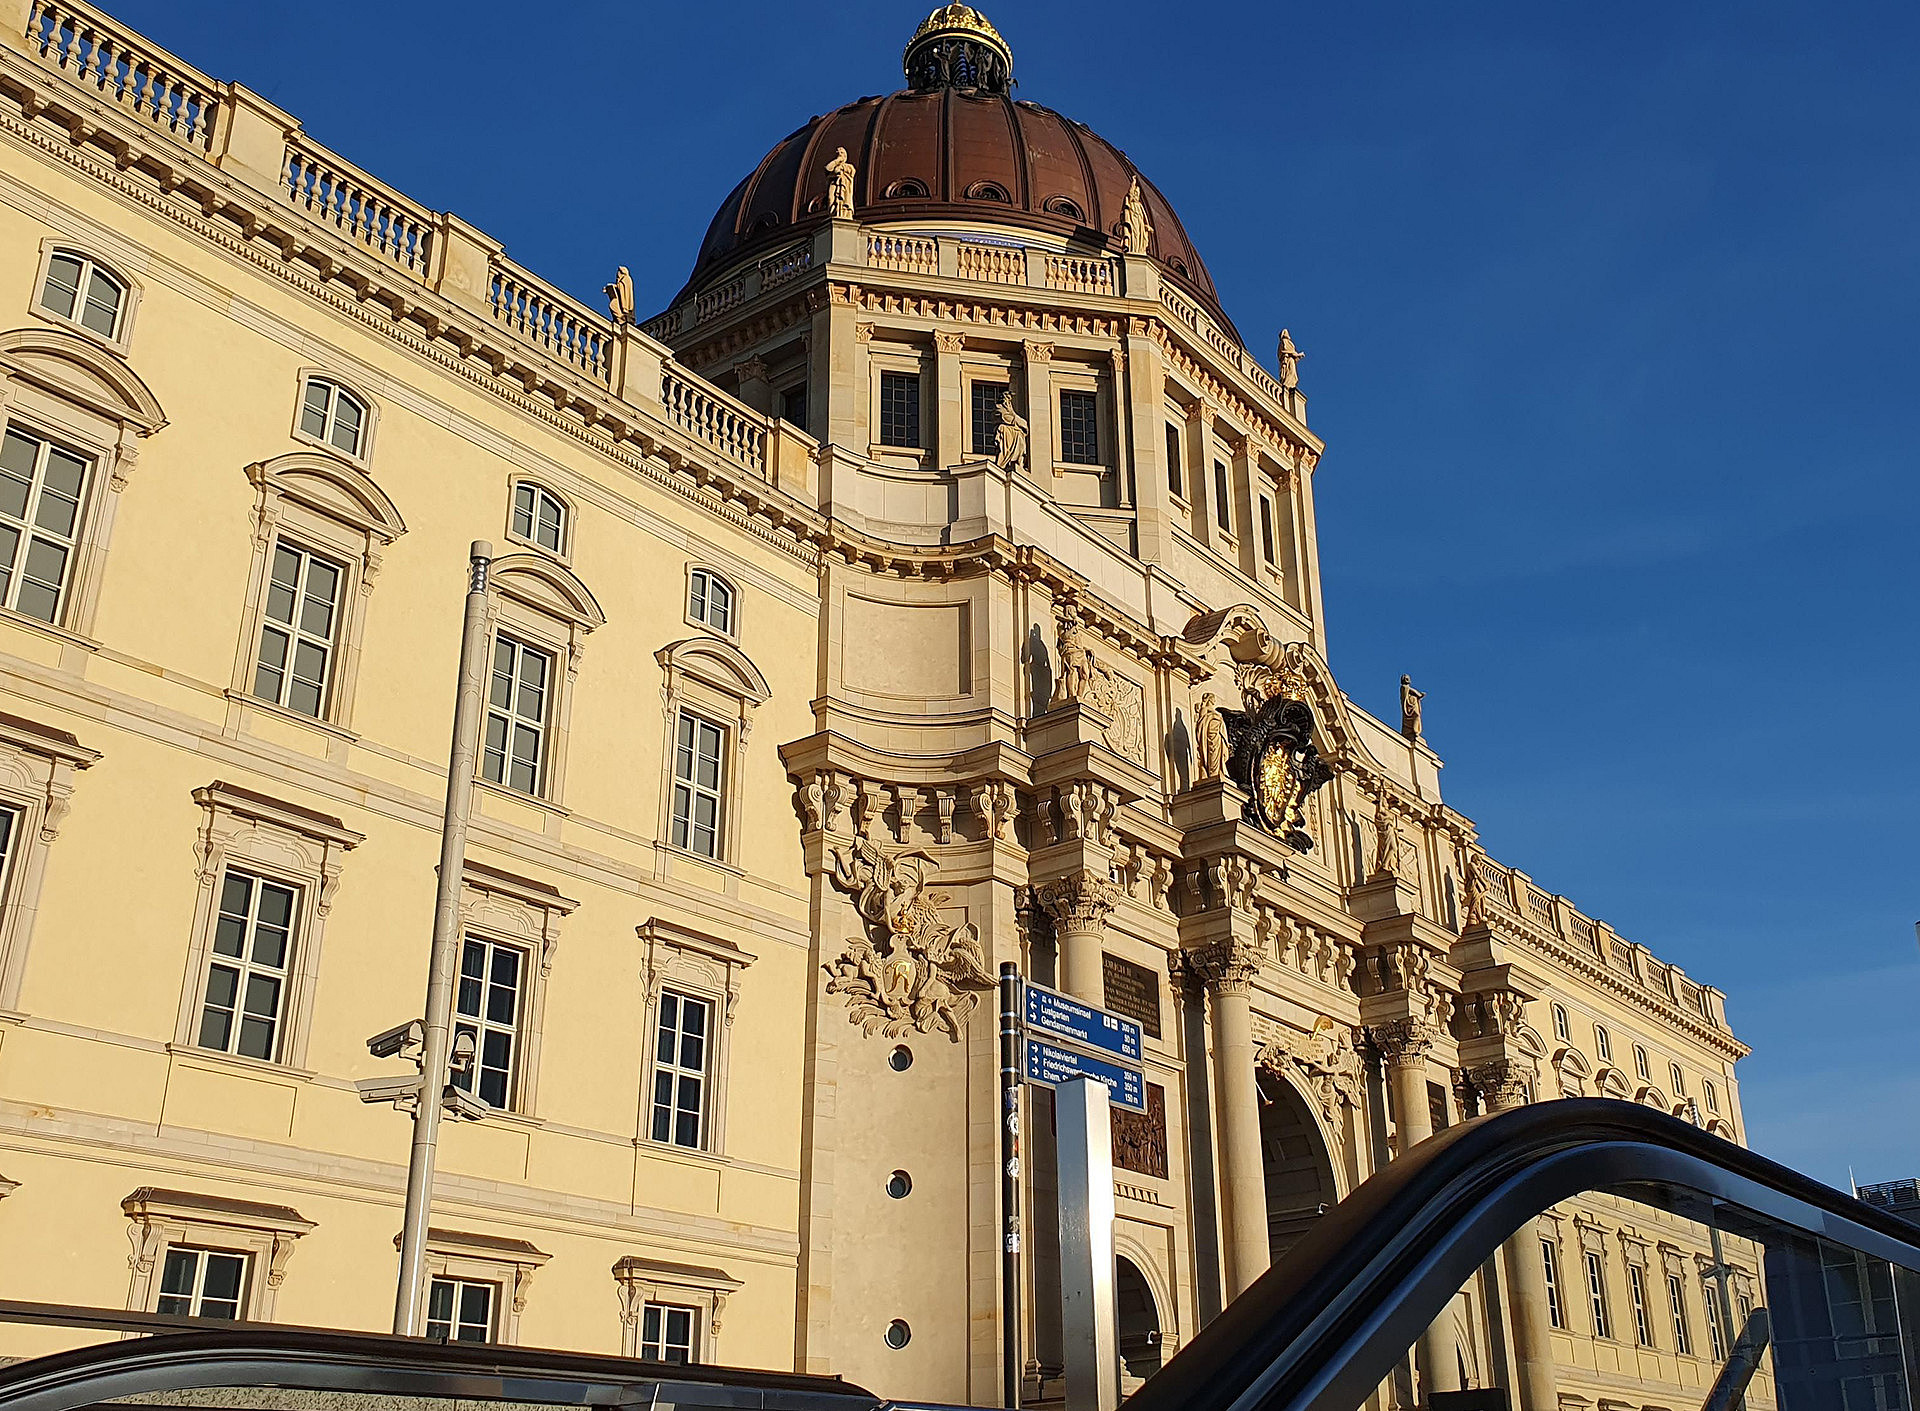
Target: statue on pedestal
{"points": [[840, 185], [1410, 708], [1210, 732], [620, 297], [1289, 362], [1138, 229], [1010, 437]]}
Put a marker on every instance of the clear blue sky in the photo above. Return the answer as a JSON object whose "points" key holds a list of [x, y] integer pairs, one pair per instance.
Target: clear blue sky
{"points": [[1610, 314]]}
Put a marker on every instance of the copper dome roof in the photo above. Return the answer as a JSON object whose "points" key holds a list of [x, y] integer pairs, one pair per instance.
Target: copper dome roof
{"points": [[953, 146]]}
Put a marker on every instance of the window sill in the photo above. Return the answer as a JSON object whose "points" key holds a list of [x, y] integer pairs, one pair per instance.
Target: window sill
{"points": [[515, 1119], [240, 1062], [359, 463], [314, 722], [732, 639], [487, 786], [880, 451], [59, 634], [717, 864], [564, 560], [117, 346], [697, 1155]]}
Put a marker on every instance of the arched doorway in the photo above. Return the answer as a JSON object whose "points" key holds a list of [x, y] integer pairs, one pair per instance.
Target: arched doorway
{"points": [[1139, 1319], [1299, 1171]]}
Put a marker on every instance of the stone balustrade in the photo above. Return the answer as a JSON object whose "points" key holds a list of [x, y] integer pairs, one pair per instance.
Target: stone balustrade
{"points": [[535, 311], [707, 414], [1513, 893], [83, 44], [338, 194]]}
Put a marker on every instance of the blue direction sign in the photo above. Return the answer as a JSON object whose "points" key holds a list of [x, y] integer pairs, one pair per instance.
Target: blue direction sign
{"points": [[1081, 1023], [1051, 1066]]}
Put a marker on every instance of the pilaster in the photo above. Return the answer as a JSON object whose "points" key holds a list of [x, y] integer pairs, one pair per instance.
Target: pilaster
{"points": [[1036, 363], [949, 406]]}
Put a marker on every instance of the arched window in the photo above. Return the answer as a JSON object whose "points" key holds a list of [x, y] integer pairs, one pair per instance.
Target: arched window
{"points": [[1640, 1063], [1603, 1043], [334, 417], [1061, 206], [988, 191], [540, 517], [906, 190], [1679, 1079], [76, 288], [1713, 1098], [710, 601], [1561, 1029]]}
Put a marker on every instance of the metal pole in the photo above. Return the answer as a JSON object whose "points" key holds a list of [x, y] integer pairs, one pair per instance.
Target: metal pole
{"points": [[467, 702], [1011, 1369], [1722, 1278], [1089, 1331]]}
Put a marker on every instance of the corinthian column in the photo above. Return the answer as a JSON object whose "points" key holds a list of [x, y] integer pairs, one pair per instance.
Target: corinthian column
{"points": [[1406, 1045], [1080, 904], [1502, 1084], [1228, 968]]}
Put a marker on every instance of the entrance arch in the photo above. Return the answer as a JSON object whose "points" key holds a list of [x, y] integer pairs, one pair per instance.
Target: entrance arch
{"points": [[1139, 1319], [1296, 1163]]}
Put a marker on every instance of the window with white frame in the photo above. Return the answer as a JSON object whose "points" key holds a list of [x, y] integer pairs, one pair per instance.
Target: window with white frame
{"points": [[681, 1066], [539, 516], [514, 752], [1597, 1296], [299, 630], [710, 599], [1679, 1080], [333, 416], [1562, 1030], [1716, 1334], [1603, 1042], [488, 1008], [669, 1332], [43, 487], [251, 960], [1640, 1064], [1642, 1316], [1713, 1098], [1682, 1332], [1550, 1259], [77, 289], [203, 1283], [461, 1310], [699, 769]]}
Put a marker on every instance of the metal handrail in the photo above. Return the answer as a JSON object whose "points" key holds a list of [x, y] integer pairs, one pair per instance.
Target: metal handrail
{"points": [[237, 1354], [1322, 1329]]}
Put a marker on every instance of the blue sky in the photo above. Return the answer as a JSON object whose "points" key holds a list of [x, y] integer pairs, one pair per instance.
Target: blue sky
{"points": [[1609, 314]]}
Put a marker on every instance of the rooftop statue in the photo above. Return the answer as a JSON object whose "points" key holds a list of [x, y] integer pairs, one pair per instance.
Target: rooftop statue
{"points": [[1289, 362], [620, 297], [840, 185], [1139, 229]]}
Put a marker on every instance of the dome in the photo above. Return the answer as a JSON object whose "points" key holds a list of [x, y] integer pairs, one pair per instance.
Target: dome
{"points": [[953, 145]]}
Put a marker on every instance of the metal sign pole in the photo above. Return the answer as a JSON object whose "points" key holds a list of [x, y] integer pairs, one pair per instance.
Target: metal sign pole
{"points": [[1088, 1323], [1011, 1369]]}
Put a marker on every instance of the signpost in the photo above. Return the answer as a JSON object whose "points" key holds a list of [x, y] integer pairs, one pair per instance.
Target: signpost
{"points": [[1092, 1059]]}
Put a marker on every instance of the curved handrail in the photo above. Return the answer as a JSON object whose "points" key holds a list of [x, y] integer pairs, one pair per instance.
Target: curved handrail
{"points": [[1327, 1325], [266, 1355]]}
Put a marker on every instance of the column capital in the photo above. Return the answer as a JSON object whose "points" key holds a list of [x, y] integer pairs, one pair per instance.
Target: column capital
{"points": [[949, 342], [1035, 351], [1225, 967], [1502, 1083], [1404, 1043], [1079, 902]]}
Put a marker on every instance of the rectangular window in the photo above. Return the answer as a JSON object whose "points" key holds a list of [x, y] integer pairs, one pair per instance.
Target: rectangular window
{"points": [[202, 1283], [1682, 1334], [515, 748], [900, 409], [249, 966], [1642, 1318], [1222, 500], [1597, 1292], [41, 488], [1174, 480], [1080, 428], [487, 1007], [666, 1332], [1716, 1334], [793, 406], [680, 1070], [1556, 1314], [1266, 531], [297, 631], [460, 1310], [984, 405], [697, 780]]}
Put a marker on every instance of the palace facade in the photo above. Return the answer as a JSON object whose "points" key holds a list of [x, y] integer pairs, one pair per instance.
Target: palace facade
{"points": [[932, 585]]}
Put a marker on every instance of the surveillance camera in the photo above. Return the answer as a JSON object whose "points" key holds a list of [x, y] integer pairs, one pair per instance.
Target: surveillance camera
{"points": [[402, 1040], [461, 1059]]}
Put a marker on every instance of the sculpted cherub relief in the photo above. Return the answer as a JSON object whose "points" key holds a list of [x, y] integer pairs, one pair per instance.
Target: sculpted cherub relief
{"points": [[1322, 1063], [912, 971]]}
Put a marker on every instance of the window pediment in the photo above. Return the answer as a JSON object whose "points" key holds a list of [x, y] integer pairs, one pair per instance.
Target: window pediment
{"points": [[67, 365], [539, 583], [719, 665], [331, 488]]}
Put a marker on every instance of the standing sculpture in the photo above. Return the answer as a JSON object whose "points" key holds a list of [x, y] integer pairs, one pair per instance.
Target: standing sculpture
{"points": [[1475, 912], [1138, 229], [911, 971], [1075, 657], [1010, 437], [620, 297], [1386, 844], [840, 185], [1410, 708], [1210, 732], [1289, 362]]}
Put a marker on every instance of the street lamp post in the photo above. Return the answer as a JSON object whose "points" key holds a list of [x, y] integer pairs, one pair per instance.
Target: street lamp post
{"points": [[429, 1040]]}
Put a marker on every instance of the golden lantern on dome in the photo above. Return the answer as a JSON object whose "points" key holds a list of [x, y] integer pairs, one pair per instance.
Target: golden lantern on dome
{"points": [[957, 47]]}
